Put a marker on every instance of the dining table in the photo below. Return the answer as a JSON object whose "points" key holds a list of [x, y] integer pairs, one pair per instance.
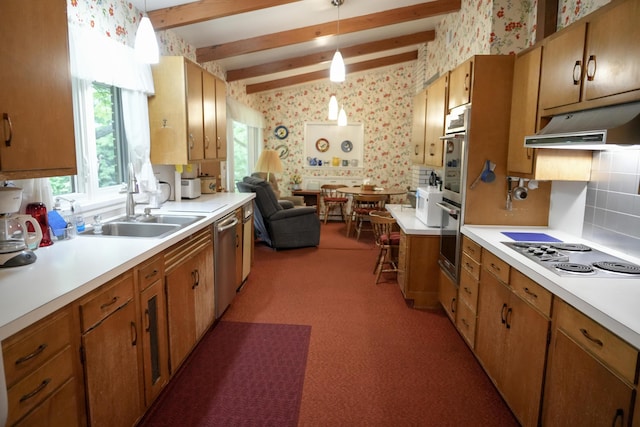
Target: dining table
{"points": [[384, 191]]}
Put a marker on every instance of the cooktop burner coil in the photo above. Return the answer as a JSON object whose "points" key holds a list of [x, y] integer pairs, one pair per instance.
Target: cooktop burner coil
{"points": [[576, 247], [618, 267], [571, 267]]}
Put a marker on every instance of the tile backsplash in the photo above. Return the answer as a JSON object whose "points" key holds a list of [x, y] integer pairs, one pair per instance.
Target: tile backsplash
{"points": [[612, 213]]}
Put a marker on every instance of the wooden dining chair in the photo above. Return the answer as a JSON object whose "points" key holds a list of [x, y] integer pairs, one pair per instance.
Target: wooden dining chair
{"points": [[332, 199], [362, 205], [387, 238]]}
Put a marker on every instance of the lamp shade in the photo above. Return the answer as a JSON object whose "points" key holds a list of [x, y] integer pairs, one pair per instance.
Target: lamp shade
{"points": [[269, 161], [333, 108], [342, 117], [337, 71], [146, 45]]}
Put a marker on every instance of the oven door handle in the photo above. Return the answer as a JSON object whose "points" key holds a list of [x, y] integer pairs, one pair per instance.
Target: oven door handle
{"points": [[451, 210]]}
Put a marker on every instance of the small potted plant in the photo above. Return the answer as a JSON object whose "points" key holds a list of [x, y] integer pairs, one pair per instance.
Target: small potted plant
{"points": [[296, 180]]}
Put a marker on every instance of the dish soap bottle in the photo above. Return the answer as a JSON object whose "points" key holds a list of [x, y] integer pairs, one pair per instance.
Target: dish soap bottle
{"points": [[76, 210]]}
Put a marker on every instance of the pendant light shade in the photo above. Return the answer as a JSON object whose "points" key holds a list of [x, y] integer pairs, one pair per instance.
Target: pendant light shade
{"points": [[333, 108], [337, 72], [146, 44], [342, 117]]}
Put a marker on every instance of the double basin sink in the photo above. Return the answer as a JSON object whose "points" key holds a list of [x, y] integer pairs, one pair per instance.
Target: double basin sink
{"points": [[156, 226]]}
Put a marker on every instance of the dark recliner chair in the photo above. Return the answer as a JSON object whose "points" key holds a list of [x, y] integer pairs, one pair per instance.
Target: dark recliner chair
{"points": [[281, 227]]}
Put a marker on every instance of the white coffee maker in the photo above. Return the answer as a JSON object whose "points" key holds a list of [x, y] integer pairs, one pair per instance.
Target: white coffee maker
{"points": [[15, 241]]}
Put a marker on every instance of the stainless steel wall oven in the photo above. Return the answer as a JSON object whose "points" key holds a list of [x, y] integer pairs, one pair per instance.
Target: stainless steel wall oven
{"points": [[452, 205]]}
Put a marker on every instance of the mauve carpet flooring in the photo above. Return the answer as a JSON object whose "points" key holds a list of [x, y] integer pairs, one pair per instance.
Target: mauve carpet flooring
{"points": [[372, 360]]}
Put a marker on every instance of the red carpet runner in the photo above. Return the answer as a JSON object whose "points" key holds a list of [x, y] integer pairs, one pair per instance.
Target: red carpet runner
{"points": [[241, 374]]}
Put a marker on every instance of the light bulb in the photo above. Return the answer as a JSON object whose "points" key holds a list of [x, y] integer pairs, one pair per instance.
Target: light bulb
{"points": [[333, 108], [342, 117], [146, 45], [337, 71]]}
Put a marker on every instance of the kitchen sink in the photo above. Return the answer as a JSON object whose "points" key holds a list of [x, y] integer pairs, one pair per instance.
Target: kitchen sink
{"points": [[156, 226]]}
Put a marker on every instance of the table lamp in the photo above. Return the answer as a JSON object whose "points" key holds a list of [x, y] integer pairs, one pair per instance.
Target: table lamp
{"points": [[269, 161]]}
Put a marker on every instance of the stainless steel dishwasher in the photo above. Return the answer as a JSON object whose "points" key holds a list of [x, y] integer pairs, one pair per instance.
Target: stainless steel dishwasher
{"points": [[224, 248]]}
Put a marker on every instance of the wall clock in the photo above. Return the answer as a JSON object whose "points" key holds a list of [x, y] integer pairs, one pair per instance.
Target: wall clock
{"points": [[281, 132], [322, 145]]}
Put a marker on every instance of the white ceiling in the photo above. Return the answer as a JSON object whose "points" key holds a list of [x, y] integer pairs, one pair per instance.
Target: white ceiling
{"points": [[298, 14]]}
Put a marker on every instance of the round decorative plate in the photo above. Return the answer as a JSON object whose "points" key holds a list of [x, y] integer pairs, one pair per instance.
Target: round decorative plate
{"points": [[283, 151], [322, 145], [346, 146], [281, 132]]}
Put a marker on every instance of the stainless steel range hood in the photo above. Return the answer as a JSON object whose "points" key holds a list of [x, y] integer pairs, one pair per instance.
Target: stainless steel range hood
{"points": [[604, 128]]}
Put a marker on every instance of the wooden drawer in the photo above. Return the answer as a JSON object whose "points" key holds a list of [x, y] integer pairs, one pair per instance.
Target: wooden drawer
{"points": [[603, 344], [59, 410], [36, 387], [466, 323], [108, 299], [531, 292], [471, 248], [27, 350], [471, 265], [150, 272], [469, 290], [495, 266]]}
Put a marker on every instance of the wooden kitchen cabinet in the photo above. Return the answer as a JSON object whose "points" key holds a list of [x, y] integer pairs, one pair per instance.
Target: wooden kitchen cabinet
{"points": [[110, 338], [239, 252], [593, 62], [468, 290], [435, 117], [189, 291], [418, 127], [43, 374], [588, 374], [447, 295], [511, 338], [186, 117], [417, 269], [36, 109], [153, 318], [460, 84]]}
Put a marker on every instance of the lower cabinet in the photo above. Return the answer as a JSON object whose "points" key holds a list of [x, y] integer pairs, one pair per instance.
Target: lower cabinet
{"points": [[448, 295], [190, 293], [511, 340], [590, 375], [418, 269], [110, 345]]}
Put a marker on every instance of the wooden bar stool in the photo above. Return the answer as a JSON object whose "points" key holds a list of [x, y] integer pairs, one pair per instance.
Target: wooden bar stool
{"points": [[387, 239]]}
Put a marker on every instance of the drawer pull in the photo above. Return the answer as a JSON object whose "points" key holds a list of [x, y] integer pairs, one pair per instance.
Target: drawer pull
{"points": [[471, 250], [109, 304], [528, 292], [467, 290], [588, 336], [37, 390], [150, 275], [495, 267], [30, 356], [469, 266]]}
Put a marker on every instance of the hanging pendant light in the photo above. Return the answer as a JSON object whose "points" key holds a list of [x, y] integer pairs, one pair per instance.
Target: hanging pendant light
{"points": [[333, 108], [342, 117], [337, 72], [146, 45]]}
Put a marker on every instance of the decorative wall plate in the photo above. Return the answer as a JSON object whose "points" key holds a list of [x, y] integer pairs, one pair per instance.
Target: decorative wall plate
{"points": [[322, 145], [281, 132], [283, 151], [346, 146]]}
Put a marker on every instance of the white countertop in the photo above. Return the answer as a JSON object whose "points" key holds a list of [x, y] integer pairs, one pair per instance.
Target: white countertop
{"points": [[70, 269], [405, 215], [611, 302]]}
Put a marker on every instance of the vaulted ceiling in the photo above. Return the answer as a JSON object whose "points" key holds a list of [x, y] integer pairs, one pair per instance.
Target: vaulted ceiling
{"points": [[276, 43]]}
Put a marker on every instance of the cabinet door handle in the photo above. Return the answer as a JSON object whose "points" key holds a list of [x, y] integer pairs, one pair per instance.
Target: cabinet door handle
{"points": [[37, 390], [528, 292], [467, 82], [31, 355], [147, 320], [195, 277], [6, 119], [207, 141], [465, 323], [453, 305], [619, 415], [529, 153], [432, 149], [110, 303], [503, 313], [577, 73], [591, 338], [416, 151], [134, 334], [508, 318], [218, 142], [591, 67], [191, 141]]}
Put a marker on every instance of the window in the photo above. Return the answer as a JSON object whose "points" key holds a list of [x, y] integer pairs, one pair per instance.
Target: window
{"points": [[246, 149], [101, 143]]}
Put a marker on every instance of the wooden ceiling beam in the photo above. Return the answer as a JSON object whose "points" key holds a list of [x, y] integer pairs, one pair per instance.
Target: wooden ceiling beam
{"points": [[306, 34], [205, 10], [326, 56], [323, 74]]}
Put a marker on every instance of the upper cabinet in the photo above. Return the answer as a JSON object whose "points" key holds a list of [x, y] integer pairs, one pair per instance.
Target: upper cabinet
{"points": [[435, 117], [594, 61], [35, 95], [418, 128], [460, 82], [187, 114]]}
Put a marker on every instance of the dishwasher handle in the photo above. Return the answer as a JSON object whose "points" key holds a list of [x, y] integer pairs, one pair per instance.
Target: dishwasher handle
{"points": [[226, 224]]}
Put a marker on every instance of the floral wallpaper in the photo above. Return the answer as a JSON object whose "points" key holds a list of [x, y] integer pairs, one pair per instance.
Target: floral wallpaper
{"points": [[570, 11]]}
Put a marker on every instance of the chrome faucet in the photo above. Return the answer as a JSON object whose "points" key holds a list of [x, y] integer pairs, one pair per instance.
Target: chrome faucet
{"points": [[132, 188]]}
